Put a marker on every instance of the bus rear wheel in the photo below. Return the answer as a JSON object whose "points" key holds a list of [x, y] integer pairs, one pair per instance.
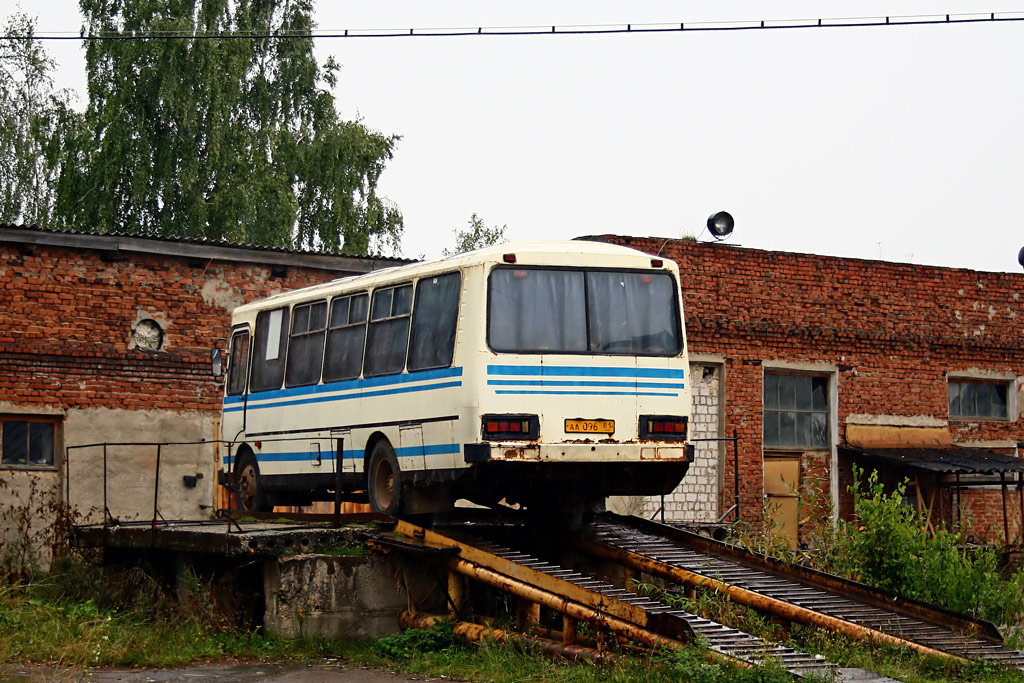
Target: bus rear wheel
{"points": [[248, 488], [384, 480]]}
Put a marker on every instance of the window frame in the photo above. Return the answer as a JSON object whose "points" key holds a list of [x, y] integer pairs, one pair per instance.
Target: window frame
{"points": [[1008, 385], [56, 436], [677, 311], [229, 384], [826, 411], [282, 350], [450, 350], [308, 333], [370, 322], [347, 326]]}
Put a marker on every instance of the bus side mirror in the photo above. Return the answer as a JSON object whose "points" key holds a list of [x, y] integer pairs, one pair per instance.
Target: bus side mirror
{"points": [[216, 363]]}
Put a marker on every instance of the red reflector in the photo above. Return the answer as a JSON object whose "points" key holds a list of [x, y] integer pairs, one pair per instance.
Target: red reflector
{"points": [[259, 444], [509, 258], [656, 263], [514, 426], [492, 426], [680, 428], [657, 427], [503, 426]]}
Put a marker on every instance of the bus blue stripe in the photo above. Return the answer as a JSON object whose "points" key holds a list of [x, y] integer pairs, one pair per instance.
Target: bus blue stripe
{"points": [[570, 383], [585, 393], [346, 397], [348, 385], [579, 371], [354, 454]]}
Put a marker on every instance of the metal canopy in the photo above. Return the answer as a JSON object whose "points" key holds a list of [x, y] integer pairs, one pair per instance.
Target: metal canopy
{"points": [[949, 460]]}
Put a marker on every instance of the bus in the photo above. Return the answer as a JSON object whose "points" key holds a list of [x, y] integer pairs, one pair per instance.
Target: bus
{"points": [[546, 375]]}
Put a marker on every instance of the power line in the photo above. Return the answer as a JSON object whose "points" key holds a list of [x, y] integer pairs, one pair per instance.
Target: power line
{"points": [[566, 30]]}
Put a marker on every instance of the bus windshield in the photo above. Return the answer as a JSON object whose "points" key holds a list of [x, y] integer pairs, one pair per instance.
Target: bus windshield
{"points": [[549, 310]]}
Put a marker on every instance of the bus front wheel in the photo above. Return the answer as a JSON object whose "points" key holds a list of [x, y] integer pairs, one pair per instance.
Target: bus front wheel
{"points": [[248, 488], [384, 481]]}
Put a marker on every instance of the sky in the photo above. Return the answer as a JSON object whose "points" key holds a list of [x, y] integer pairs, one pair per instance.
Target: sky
{"points": [[894, 143]]}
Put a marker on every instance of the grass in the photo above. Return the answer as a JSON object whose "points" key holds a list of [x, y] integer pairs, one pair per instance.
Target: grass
{"points": [[895, 662], [80, 618]]}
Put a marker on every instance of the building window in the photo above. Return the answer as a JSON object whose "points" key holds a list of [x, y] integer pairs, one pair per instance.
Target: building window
{"points": [[27, 441], [795, 411], [978, 400]]}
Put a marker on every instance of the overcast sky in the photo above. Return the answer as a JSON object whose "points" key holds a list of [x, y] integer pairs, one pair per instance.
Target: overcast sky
{"points": [[894, 143]]}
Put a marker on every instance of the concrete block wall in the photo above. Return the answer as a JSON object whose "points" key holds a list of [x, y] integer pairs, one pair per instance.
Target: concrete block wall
{"points": [[697, 498]]}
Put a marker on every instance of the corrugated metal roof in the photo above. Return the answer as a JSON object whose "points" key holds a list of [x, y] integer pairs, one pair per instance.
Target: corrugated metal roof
{"points": [[950, 460], [196, 241]]}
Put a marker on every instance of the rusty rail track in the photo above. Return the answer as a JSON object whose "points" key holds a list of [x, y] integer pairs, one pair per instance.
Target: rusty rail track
{"points": [[795, 593], [637, 617]]}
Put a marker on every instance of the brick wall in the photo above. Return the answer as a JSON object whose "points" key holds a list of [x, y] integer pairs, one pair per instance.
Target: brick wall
{"points": [[75, 311], [891, 331], [69, 350]]}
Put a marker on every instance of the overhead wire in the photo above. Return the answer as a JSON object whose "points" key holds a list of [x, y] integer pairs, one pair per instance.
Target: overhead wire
{"points": [[549, 30]]}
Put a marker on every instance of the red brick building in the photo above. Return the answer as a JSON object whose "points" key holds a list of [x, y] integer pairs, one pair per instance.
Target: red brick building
{"points": [[814, 362], [107, 339], [827, 362]]}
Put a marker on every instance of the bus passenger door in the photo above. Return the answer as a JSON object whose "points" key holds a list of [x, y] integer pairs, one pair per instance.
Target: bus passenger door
{"points": [[412, 446], [340, 441]]}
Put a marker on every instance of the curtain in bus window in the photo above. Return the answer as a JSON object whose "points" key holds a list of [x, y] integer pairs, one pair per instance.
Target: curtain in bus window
{"points": [[537, 310], [344, 356], [306, 346], [268, 359], [238, 370], [632, 313], [434, 320], [387, 338]]}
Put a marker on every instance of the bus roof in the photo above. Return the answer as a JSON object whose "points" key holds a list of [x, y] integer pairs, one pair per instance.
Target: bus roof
{"points": [[549, 252]]}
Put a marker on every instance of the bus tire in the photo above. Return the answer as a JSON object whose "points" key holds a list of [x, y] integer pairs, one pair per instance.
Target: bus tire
{"points": [[248, 489], [384, 480]]}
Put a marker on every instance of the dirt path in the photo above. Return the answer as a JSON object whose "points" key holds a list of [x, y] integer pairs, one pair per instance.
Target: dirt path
{"points": [[230, 672]]}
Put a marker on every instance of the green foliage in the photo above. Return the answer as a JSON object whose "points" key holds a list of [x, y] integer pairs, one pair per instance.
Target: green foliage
{"points": [[36, 123], [414, 642], [888, 547], [476, 236], [234, 139]]}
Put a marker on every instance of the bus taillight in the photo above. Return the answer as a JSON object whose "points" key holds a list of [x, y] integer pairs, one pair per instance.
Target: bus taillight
{"points": [[663, 427], [514, 427]]}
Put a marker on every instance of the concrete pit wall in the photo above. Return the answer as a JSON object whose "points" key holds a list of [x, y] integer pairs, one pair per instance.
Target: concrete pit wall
{"points": [[344, 597]]}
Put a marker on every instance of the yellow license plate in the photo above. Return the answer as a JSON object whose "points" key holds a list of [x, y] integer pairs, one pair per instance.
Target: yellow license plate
{"points": [[590, 426]]}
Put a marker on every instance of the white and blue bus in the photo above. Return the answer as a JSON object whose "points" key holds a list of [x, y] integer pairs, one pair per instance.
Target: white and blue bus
{"points": [[548, 375]]}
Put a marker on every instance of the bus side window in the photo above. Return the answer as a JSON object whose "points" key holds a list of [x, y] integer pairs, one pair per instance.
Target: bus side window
{"points": [[434, 320], [238, 368], [344, 357], [387, 338], [270, 350], [306, 344]]}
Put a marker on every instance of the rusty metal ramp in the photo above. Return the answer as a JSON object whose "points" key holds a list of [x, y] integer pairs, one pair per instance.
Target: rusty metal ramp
{"points": [[638, 618], [795, 593]]}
